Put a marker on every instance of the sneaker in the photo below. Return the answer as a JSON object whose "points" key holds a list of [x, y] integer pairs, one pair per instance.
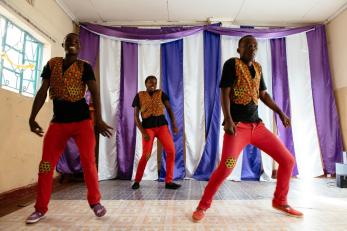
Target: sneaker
{"points": [[172, 185], [286, 209], [136, 185], [198, 215], [99, 210], [34, 217]]}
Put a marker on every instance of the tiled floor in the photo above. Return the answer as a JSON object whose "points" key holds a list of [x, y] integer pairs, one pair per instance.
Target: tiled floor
{"points": [[192, 190], [238, 206]]}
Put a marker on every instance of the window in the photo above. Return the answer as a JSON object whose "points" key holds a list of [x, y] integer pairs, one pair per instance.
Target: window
{"points": [[21, 59]]}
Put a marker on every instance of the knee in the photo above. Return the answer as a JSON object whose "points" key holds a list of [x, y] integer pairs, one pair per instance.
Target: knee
{"points": [[226, 167], [45, 167], [289, 161]]}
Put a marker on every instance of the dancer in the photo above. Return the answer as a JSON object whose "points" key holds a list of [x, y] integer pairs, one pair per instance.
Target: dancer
{"points": [[67, 78], [241, 86], [152, 103]]}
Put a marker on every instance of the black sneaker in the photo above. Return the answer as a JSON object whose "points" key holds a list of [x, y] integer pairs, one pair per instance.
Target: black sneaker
{"points": [[136, 185], [172, 185]]}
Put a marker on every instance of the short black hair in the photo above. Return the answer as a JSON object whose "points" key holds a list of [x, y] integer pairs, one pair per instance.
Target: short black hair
{"points": [[150, 77], [245, 37], [71, 34]]}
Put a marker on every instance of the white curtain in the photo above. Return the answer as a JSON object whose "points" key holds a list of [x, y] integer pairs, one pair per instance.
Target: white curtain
{"points": [[306, 144], [194, 114], [110, 62], [229, 47], [265, 113]]}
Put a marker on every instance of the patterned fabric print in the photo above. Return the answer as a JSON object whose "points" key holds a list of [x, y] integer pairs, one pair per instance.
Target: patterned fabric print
{"points": [[151, 105], [45, 166], [246, 88], [68, 86], [230, 162]]}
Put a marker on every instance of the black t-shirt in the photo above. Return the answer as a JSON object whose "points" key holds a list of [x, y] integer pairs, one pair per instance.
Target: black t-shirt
{"points": [[66, 111], [240, 113], [152, 121]]}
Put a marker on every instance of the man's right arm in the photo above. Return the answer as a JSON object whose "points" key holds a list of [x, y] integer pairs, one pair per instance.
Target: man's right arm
{"points": [[39, 100], [138, 123], [229, 125], [226, 84]]}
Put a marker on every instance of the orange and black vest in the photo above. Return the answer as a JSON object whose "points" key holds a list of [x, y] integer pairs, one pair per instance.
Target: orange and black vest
{"points": [[151, 105], [69, 85], [246, 88]]}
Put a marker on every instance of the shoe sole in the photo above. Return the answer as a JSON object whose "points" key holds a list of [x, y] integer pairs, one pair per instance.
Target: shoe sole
{"points": [[288, 214], [101, 214], [196, 220], [33, 221]]}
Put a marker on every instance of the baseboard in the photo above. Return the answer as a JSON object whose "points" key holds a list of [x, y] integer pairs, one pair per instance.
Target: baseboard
{"points": [[23, 192]]}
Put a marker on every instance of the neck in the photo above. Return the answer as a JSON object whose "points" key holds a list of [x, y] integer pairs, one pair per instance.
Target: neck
{"points": [[247, 62], [70, 58]]}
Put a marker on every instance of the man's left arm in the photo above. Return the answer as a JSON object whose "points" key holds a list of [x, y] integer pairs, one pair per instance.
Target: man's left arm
{"points": [[268, 101], [172, 116], [101, 127]]}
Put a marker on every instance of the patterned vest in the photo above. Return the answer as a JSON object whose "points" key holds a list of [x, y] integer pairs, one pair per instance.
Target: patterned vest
{"points": [[151, 105], [246, 88], [68, 86]]}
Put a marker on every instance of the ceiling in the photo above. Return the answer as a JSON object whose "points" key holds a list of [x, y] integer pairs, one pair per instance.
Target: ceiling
{"points": [[175, 12]]}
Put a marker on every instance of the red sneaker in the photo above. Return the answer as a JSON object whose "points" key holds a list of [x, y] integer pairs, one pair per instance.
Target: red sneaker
{"points": [[286, 209], [198, 215]]}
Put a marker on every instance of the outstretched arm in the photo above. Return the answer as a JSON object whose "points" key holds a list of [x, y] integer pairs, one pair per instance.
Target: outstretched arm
{"points": [[37, 105], [268, 101], [101, 126]]}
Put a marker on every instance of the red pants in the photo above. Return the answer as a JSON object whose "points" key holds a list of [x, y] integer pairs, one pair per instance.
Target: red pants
{"points": [[257, 135], [53, 146], [165, 138]]}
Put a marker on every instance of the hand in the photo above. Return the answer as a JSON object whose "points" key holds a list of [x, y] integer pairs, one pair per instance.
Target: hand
{"points": [[103, 128], [174, 129], [145, 136], [35, 128], [285, 120], [230, 127]]}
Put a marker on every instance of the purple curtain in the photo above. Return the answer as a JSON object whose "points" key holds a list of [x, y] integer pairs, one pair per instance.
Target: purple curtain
{"points": [[70, 160], [172, 84], [137, 33], [179, 32], [126, 131], [212, 76], [327, 118], [251, 163], [280, 91], [89, 46], [258, 33]]}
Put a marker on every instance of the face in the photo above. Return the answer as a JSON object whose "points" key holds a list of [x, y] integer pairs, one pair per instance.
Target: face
{"points": [[248, 49], [151, 85], [71, 44]]}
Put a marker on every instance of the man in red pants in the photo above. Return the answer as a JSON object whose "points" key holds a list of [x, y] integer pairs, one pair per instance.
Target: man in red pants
{"points": [[67, 78], [242, 85], [152, 103]]}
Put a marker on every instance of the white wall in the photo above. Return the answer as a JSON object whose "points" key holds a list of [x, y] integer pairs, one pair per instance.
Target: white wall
{"points": [[20, 150], [337, 37]]}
